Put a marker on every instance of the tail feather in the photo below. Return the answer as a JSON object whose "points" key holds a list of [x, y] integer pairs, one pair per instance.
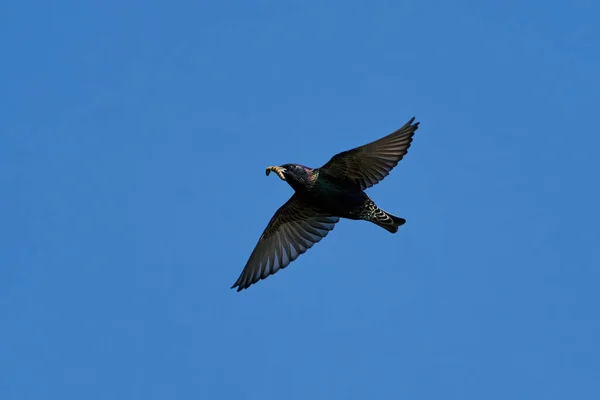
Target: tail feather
{"points": [[387, 221]]}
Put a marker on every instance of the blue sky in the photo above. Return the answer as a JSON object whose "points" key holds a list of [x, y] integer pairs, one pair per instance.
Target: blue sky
{"points": [[133, 142]]}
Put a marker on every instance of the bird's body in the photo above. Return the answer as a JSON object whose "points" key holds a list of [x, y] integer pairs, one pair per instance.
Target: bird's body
{"points": [[323, 196], [335, 196]]}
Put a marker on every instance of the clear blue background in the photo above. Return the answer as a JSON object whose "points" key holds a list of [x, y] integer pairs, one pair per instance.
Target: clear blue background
{"points": [[134, 138]]}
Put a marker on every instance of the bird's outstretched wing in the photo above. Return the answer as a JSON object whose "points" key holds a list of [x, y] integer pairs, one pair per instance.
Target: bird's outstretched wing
{"points": [[367, 165], [294, 228]]}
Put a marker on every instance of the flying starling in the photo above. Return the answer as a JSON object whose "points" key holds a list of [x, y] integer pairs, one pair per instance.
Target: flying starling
{"points": [[323, 196]]}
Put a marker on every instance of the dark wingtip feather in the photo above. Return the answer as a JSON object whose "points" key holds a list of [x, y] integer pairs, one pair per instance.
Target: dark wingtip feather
{"points": [[238, 286], [415, 125]]}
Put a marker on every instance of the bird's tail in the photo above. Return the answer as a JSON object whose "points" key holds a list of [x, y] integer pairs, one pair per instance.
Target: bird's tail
{"points": [[387, 221]]}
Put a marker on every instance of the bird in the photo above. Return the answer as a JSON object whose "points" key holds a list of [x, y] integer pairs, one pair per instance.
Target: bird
{"points": [[321, 197]]}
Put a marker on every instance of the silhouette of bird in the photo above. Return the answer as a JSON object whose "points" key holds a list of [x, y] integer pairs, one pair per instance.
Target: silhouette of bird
{"points": [[323, 196]]}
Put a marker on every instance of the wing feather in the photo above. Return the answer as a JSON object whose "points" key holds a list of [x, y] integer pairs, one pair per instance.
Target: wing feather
{"points": [[369, 164], [294, 229]]}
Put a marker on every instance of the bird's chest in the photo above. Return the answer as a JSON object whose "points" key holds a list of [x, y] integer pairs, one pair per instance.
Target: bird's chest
{"points": [[336, 199]]}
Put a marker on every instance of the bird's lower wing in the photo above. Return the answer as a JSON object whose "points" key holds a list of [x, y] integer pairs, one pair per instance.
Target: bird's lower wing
{"points": [[294, 228]]}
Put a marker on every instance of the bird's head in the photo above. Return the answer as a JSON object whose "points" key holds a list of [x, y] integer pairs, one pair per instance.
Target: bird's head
{"points": [[293, 174]]}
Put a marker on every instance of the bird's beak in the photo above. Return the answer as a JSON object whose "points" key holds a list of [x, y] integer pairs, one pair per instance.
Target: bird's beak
{"points": [[278, 170]]}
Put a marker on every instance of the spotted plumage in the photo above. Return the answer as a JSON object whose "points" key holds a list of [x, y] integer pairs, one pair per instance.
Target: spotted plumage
{"points": [[323, 196]]}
